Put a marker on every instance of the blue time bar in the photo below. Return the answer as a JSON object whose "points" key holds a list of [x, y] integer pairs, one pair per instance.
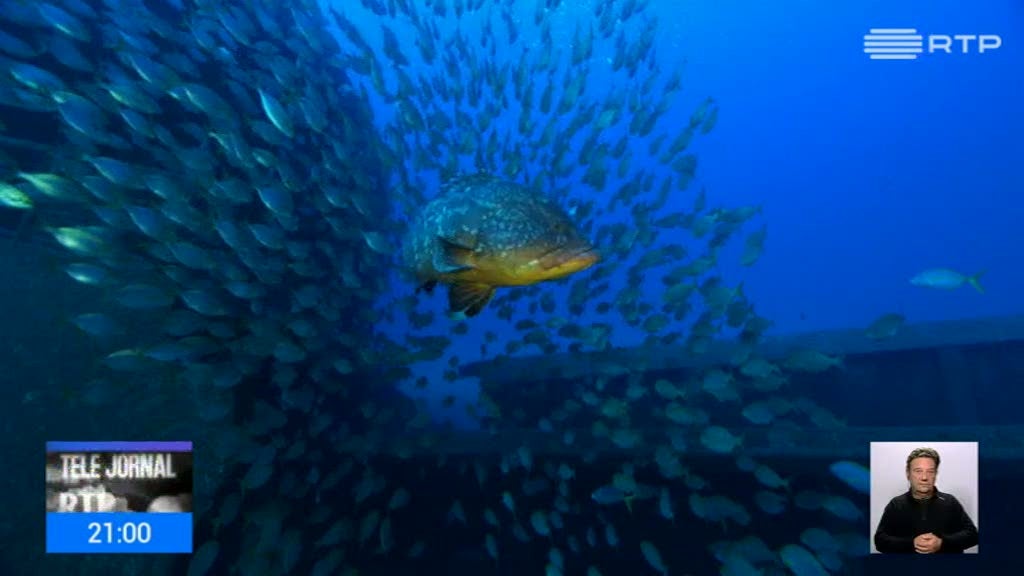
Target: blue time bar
{"points": [[118, 532]]}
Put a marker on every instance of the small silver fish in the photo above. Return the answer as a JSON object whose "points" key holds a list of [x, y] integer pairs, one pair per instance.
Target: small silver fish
{"points": [[277, 114], [946, 279], [609, 494]]}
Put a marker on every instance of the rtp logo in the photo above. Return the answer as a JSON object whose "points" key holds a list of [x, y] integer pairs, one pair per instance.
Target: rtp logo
{"points": [[906, 43]]}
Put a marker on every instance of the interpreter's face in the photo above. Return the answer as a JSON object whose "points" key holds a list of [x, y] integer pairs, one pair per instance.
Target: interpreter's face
{"points": [[922, 476]]}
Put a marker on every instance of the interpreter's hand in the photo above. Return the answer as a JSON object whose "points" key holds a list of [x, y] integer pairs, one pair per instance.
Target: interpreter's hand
{"points": [[927, 543]]}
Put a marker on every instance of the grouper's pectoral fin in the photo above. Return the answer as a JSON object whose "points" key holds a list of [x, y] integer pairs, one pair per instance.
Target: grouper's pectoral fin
{"points": [[468, 297], [453, 256]]}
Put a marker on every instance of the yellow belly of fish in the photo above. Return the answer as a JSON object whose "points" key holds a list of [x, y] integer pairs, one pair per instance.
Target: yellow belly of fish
{"points": [[495, 276]]}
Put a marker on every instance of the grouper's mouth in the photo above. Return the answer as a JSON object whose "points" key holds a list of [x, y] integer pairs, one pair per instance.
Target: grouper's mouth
{"points": [[569, 260], [586, 257]]}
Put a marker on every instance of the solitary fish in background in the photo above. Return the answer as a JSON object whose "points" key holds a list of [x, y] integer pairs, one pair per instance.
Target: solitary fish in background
{"points": [[483, 232], [946, 279]]}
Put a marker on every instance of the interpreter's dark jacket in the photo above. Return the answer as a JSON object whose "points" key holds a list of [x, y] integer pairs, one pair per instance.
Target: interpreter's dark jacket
{"points": [[906, 517]]}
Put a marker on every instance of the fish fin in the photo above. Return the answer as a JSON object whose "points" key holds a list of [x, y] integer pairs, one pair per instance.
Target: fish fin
{"points": [[427, 287], [629, 503], [469, 297], [454, 257], [976, 281]]}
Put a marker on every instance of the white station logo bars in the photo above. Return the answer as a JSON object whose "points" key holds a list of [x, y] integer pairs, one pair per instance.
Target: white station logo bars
{"points": [[908, 43]]}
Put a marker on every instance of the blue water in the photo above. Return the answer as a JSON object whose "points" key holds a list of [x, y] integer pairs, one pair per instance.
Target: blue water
{"points": [[869, 171]]}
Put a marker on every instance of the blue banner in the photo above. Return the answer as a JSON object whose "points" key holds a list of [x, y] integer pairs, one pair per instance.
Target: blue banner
{"points": [[119, 532]]}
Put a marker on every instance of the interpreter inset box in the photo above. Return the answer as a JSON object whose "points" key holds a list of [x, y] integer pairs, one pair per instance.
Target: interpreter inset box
{"points": [[924, 497]]}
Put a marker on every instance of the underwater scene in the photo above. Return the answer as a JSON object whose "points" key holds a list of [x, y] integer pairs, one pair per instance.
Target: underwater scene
{"points": [[513, 287]]}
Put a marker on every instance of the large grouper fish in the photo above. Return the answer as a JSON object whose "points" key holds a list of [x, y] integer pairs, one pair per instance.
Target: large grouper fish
{"points": [[482, 232]]}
